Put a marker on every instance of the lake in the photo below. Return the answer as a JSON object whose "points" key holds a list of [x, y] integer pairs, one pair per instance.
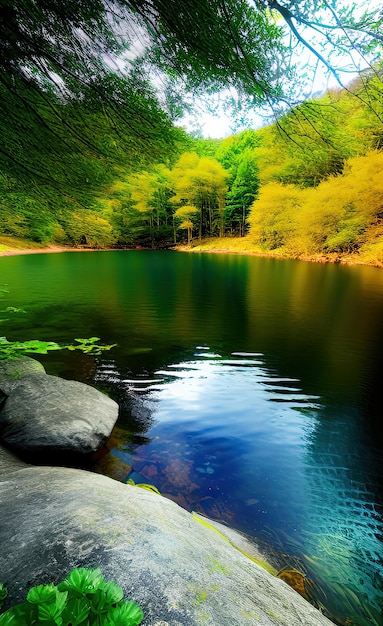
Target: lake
{"points": [[250, 391]]}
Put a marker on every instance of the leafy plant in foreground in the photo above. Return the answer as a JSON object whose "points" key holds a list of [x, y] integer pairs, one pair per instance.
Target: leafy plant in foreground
{"points": [[82, 599], [3, 594]]}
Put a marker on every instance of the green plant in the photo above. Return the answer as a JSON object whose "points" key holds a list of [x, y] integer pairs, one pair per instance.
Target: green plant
{"points": [[17, 349], [89, 346], [3, 594], [8, 309], [143, 486], [82, 599]]}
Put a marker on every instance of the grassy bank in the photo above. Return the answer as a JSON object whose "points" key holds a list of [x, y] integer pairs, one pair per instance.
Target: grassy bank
{"points": [[14, 244], [10, 246], [244, 245], [225, 245]]}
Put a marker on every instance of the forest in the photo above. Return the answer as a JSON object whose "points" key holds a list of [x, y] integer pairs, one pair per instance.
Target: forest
{"points": [[104, 161]]}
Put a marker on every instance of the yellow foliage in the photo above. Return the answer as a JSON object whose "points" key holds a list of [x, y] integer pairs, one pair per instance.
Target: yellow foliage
{"points": [[185, 211], [186, 225], [273, 217], [372, 252], [200, 182], [339, 215], [142, 188], [195, 177], [88, 227]]}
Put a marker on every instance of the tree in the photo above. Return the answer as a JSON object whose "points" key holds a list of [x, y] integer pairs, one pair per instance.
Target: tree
{"points": [[274, 214], [87, 228], [314, 140], [201, 183], [185, 214], [231, 150], [242, 194], [81, 96], [342, 214], [59, 53], [344, 29], [61, 60]]}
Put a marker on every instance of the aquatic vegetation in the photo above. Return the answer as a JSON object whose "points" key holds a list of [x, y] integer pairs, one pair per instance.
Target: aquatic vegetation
{"points": [[269, 568], [298, 581], [17, 349], [143, 486]]}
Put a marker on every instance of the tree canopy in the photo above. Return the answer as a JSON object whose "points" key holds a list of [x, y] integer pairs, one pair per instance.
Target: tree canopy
{"points": [[90, 91], [106, 54]]}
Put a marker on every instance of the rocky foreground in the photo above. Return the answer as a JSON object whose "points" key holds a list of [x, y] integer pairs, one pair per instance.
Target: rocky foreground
{"points": [[179, 570]]}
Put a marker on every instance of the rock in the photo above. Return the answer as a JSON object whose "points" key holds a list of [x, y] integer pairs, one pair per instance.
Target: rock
{"points": [[47, 414], [181, 572], [13, 370]]}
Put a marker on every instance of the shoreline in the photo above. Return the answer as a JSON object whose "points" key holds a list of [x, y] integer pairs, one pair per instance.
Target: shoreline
{"points": [[335, 259], [45, 250], [322, 259]]}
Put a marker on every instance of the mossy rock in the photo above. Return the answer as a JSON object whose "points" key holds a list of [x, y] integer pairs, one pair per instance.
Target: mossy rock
{"points": [[180, 571], [13, 370]]}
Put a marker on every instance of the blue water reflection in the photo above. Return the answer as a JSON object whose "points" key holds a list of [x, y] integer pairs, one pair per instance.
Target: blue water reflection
{"points": [[233, 440]]}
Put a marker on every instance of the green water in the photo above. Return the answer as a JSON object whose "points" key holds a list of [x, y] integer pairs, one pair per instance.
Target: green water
{"points": [[250, 390]]}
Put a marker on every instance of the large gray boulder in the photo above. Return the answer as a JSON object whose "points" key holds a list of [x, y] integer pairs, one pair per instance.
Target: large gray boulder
{"points": [[47, 414], [181, 572], [13, 370]]}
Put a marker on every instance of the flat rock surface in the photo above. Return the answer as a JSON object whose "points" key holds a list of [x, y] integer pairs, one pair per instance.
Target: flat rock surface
{"points": [[181, 572], [47, 414]]}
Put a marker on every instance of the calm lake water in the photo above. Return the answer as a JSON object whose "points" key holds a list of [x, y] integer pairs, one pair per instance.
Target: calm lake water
{"points": [[250, 391]]}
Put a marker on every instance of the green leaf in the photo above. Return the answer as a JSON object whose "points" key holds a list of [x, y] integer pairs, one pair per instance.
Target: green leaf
{"points": [[61, 599], [88, 341], [76, 611], [113, 592], [82, 580], [82, 599], [13, 309], [14, 349], [51, 612], [8, 619], [47, 615], [23, 613], [99, 602], [125, 614], [42, 593], [3, 593], [89, 346]]}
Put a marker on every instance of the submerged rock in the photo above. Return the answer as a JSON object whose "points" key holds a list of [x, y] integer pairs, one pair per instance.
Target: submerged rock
{"points": [[181, 572], [47, 414]]}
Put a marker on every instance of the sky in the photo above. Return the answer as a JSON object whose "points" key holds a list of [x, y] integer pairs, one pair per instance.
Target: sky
{"points": [[221, 125]]}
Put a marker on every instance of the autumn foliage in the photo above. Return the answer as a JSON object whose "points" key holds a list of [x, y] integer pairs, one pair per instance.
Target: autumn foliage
{"points": [[343, 214]]}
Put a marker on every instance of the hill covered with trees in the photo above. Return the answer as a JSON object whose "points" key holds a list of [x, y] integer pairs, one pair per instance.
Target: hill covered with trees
{"points": [[92, 152]]}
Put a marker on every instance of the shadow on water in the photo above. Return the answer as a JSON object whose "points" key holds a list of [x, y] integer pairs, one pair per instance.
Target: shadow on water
{"points": [[230, 439]]}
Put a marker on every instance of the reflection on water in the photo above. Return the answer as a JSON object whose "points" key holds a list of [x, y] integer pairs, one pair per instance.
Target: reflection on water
{"points": [[280, 435], [233, 440]]}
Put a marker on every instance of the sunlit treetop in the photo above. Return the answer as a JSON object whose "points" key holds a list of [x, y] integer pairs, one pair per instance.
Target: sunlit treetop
{"points": [[210, 43], [106, 58]]}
